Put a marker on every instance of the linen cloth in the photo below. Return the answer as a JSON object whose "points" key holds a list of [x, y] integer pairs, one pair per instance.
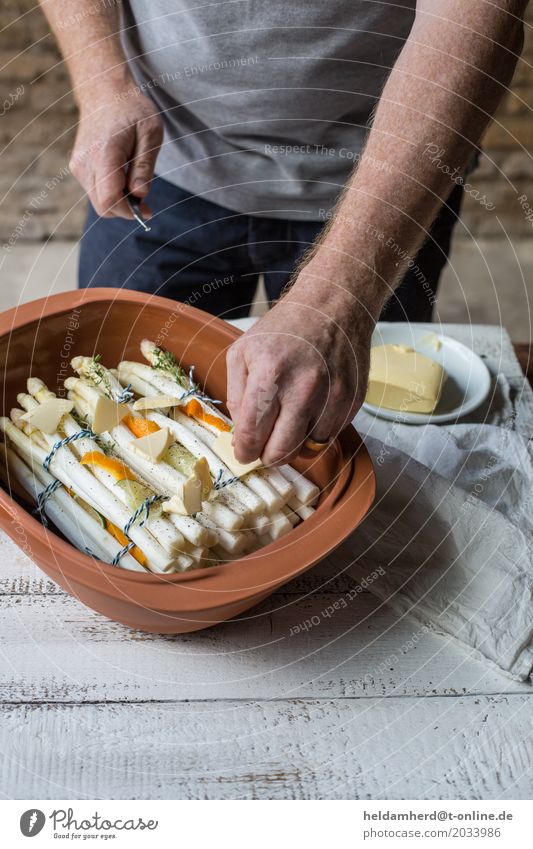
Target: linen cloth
{"points": [[452, 523]]}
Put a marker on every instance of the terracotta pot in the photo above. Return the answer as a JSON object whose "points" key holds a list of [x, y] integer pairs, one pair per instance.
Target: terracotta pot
{"points": [[40, 337]]}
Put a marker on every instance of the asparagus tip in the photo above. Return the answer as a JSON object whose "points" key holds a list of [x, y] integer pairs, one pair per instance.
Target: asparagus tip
{"points": [[35, 385], [147, 348]]}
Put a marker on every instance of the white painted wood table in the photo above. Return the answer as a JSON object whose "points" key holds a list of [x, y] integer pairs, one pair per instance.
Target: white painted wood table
{"points": [[362, 706]]}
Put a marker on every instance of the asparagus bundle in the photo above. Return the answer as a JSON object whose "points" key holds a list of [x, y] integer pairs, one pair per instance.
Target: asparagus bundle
{"points": [[138, 482]]}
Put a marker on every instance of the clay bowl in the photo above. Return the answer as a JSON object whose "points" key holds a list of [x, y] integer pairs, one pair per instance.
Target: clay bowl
{"points": [[40, 337]]}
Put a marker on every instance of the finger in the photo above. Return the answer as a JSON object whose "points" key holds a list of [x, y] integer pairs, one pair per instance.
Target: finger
{"points": [[258, 411], [236, 380], [331, 417], [322, 424], [288, 435], [81, 167], [110, 178], [141, 170]]}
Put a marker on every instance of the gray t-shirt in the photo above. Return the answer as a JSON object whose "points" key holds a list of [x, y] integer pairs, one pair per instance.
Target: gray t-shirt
{"points": [[266, 104]]}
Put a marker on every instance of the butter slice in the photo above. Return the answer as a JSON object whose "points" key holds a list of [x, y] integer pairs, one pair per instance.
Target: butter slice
{"points": [[201, 471], [189, 501], [156, 402], [154, 445], [224, 449], [107, 414], [46, 416], [404, 379]]}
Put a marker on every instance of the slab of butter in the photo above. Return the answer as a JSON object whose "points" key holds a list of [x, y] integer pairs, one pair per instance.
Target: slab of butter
{"points": [[189, 501], [200, 470], [224, 449], [46, 416], [154, 445], [107, 414], [156, 402], [403, 379]]}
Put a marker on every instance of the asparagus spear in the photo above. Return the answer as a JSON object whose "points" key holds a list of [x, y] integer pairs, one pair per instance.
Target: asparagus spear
{"points": [[165, 362], [257, 481], [80, 527], [191, 529], [162, 530], [165, 479], [65, 466]]}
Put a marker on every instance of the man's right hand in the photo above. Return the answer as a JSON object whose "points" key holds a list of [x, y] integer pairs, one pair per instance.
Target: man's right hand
{"points": [[116, 147]]}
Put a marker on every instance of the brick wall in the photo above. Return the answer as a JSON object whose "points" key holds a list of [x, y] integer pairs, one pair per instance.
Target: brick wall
{"points": [[38, 120]]}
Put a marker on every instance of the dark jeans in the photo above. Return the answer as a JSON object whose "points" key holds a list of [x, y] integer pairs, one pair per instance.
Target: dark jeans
{"points": [[211, 258]]}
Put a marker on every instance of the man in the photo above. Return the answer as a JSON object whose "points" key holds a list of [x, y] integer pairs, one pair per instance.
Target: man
{"points": [[266, 110]]}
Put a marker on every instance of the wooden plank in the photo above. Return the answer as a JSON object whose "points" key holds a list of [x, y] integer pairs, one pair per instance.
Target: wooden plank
{"points": [[55, 649], [460, 748]]}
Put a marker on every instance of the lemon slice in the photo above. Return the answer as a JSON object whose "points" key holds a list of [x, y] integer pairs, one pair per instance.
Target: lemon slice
{"points": [[135, 492], [180, 458]]}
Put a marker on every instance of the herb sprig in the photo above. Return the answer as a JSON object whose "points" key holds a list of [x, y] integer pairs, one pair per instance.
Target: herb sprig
{"points": [[165, 361]]}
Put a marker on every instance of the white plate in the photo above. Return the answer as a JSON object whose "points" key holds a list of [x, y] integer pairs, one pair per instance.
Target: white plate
{"points": [[468, 382]]}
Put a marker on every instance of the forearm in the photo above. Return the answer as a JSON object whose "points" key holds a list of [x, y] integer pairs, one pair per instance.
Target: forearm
{"points": [[119, 129], [90, 44], [440, 95]]}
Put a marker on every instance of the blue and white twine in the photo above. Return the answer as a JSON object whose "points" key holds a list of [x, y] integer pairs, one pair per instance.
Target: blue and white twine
{"points": [[43, 497], [81, 434], [194, 391], [142, 508], [120, 554], [126, 395], [220, 484]]}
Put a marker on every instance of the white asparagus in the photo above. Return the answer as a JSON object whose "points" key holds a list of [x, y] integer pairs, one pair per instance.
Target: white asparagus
{"points": [[303, 510], [188, 526], [275, 477], [235, 542], [157, 379], [305, 491], [98, 375], [279, 525], [66, 467], [191, 530], [257, 481], [26, 450], [190, 441], [35, 435], [259, 524], [163, 531], [69, 517], [239, 518], [224, 556], [169, 480], [293, 517], [140, 387]]}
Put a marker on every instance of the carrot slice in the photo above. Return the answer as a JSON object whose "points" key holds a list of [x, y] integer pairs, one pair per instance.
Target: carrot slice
{"points": [[194, 409], [123, 540], [139, 426], [115, 467]]}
